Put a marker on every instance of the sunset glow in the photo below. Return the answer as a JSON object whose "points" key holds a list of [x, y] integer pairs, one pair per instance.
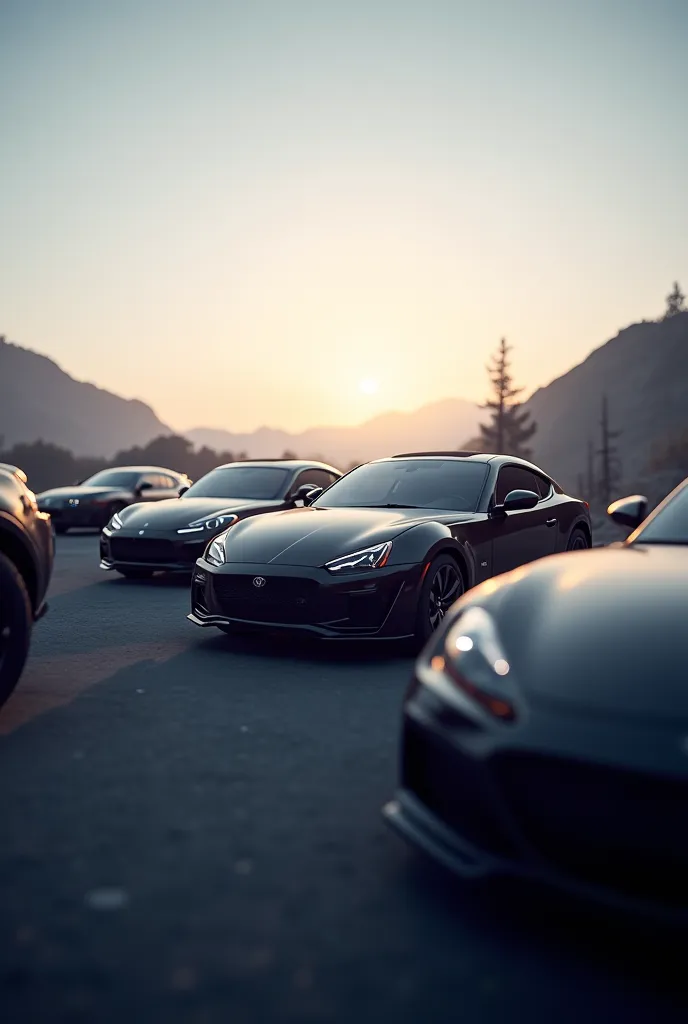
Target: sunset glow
{"points": [[291, 193]]}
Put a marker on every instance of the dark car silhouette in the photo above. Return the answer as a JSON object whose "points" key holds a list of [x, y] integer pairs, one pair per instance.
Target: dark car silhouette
{"points": [[388, 548], [545, 731], [93, 502], [26, 561], [171, 536]]}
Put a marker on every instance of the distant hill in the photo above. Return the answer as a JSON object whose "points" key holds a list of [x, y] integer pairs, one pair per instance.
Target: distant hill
{"points": [[38, 400], [644, 372], [438, 426]]}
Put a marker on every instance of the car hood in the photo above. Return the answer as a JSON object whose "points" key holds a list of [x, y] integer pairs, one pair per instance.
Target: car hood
{"points": [[313, 536], [602, 630], [173, 513], [62, 493]]}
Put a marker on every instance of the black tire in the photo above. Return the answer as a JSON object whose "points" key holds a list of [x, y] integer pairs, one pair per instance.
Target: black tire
{"points": [[444, 583], [16, 621], [136, 574], [578, 541], [60, 529]]}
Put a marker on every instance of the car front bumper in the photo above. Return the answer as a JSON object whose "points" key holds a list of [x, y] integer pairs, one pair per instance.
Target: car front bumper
{"points": [[84, 515], [545, 803], [380, 604], [158, 550]]}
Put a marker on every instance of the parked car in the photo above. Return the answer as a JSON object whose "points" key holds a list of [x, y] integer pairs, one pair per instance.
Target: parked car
{"points": [[26, 560], [387, 549], [94, 501], [142, 540], [545, 731]]}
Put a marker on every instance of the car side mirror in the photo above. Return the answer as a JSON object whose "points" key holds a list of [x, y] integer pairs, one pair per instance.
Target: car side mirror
{"points": [[183, 490], [630, 512], [517, 501], [305, 495], [145, 486]]}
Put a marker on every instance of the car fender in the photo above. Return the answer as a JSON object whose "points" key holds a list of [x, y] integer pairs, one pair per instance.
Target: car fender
{"points": [[423, 542]]}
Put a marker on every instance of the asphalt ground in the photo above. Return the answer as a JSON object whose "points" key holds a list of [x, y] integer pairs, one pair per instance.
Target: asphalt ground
{"points": [[190, 830]]}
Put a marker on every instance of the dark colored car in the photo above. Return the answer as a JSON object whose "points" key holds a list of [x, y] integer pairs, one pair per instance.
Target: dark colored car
{"points": [[171, 536], [545, 732], [26, 562], [93, 502], [387, 549]]}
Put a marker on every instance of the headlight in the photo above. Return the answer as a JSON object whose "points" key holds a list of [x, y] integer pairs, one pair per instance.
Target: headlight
{"points": [[367, 558], [216, 551], [475, 659], [214, 523], [114, 524], [73, 501]]}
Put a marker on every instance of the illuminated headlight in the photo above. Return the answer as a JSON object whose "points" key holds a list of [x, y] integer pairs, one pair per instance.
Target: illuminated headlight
{"points": [[475, 660], [114, 524], [215, 553], [367, 558], [214, 523]]}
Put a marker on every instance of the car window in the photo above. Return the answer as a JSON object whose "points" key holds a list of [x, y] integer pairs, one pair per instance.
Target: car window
{"points": [[451, 484], [150, 478], [670, 525], [113, 478], [316, 477], [516, 478], [169, 481], [241, 481], [544, 485]]}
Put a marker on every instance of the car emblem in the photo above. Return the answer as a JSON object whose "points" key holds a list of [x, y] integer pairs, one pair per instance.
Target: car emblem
{"points": [[140, 533], [259, 581]]}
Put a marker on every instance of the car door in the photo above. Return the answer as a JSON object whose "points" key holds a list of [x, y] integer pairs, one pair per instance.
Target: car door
{"points": [[523, 536]]}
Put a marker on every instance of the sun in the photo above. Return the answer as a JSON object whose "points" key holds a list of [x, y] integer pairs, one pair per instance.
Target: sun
{"points": [[369, 386]]}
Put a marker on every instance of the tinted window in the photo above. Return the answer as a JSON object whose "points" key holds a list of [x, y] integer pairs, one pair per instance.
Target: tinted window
{"points": [[316, 477], [422, 483], [670, 526], [112, 478], [240, 482], [515, 478]]}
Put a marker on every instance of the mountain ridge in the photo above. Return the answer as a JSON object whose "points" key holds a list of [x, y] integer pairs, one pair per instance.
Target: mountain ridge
{"points": [[41, 401]]}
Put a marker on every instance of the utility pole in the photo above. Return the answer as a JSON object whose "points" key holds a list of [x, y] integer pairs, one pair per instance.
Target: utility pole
{"points": [[608, 455]]}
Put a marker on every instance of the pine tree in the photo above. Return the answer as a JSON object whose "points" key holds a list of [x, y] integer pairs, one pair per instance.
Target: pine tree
{"points": [[510, 428], [675, 302], [610, 466]]}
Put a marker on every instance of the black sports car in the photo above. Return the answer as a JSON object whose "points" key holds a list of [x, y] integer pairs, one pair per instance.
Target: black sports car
{"points": [[141, 540], [545, 732], [94, 501], [26, 563], [388, 548]]}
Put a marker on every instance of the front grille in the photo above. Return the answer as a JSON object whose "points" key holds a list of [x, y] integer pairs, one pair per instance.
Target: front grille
{"points": [[283, 599], [623, 830], [148, 549], [453, 787]]}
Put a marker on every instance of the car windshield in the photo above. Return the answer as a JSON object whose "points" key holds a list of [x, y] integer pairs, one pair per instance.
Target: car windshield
{"points": [[112, 478], [409, 483], [670, 526], [240, 482]]}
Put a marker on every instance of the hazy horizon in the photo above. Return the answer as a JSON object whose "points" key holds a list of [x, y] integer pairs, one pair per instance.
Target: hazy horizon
{"points": [[293, 215]]}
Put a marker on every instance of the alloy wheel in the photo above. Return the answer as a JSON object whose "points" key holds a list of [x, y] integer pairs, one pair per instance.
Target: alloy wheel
{"points": [[447, 587]]}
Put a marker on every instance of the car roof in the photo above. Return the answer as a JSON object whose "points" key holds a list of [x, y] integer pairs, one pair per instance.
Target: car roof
{"points": [[140, 469], [466, 456], [287, 463]]}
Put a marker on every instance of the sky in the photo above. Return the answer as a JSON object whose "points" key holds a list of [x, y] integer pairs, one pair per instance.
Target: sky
{"points": [[297, 213]]}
